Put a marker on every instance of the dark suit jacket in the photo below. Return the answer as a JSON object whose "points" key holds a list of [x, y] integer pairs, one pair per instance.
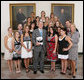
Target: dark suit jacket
{"points": [[35, 34]]}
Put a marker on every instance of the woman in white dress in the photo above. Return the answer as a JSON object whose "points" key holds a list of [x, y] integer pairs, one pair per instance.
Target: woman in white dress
{"points": [[26, 52], [8, 48]]}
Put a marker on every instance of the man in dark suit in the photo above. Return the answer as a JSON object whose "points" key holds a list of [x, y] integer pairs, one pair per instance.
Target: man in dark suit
{"points": [[39, 41], [20, 17]]}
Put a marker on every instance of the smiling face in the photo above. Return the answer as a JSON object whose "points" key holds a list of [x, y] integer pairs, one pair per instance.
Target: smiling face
{"points": [[43, 14], [72, 27], [32, 14], [33, 25], [20, 27], [17, 35], [40, 25], [51, 30], [68, 24], [29, 19], [56, 18], [47, 19], [57, 24], [10, 30], [26, 29], [62, 32]]}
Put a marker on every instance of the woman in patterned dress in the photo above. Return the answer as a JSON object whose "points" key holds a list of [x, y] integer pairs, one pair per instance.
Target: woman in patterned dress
{"points": [[73, 52], [17, 50], [8, 48], [52, 41]]}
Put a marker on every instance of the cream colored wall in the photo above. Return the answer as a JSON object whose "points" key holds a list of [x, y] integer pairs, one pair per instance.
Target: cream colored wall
{"points": [[41, 5]]}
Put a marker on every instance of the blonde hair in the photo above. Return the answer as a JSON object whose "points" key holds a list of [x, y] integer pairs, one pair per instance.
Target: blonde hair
{"points": [[9, 28], [73, 25]]}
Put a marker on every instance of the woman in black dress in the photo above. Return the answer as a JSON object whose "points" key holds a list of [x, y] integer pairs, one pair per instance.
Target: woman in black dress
{"points": [[64, 45]]}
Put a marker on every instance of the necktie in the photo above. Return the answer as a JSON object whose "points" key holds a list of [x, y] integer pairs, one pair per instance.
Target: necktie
{"points": [[41, 32]]}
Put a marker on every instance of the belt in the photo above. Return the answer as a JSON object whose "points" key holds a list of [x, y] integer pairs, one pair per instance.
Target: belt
{"points": [[51, 41]]}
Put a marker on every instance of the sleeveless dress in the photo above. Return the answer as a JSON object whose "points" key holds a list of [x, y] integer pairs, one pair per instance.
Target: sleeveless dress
{"points": [[62, 44], [8, 55], [50, 48], [27, 43], [17, 45]]}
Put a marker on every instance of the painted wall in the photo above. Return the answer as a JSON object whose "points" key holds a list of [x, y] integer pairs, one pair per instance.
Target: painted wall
{"points": [[46, 6]]}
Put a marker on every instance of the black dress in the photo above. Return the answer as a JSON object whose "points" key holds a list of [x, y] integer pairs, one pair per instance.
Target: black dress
{"points": [[17, 45], [62, 44]]}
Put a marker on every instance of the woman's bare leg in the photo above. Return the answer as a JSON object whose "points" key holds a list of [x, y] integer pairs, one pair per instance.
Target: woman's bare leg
{"points": [[53, 65], [28, 63], [11, 65], [8, 62], [16, 65], [62, 65], [65, 65], [25, 63], [74, 66], [19, 65]]}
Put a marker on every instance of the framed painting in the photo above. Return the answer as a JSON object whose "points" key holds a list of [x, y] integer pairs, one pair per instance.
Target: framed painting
{"points": [[20, 12], [63, 12]]}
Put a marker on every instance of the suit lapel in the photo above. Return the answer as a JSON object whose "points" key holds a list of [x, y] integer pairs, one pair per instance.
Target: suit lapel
{"points": [[38, 32]]}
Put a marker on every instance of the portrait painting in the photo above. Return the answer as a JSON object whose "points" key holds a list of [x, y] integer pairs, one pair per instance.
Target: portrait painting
{"points": [[63, 11], [20, 12]]}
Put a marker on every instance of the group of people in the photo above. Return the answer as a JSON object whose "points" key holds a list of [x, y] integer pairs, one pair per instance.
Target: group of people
{"points": [[40, 36]]}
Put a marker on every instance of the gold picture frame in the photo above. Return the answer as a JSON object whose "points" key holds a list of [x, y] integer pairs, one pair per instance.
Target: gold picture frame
{"points": [[14, 6], [54, 5]]}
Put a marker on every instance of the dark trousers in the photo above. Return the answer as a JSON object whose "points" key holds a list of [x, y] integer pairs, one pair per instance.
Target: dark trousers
{"points": [[38, 56]]}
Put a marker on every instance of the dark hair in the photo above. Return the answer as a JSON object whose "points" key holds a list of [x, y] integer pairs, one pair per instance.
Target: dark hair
{"points": [[50, 32], [31, 24], [64, 29], [25, 32], [69, 21], [33, 12], [28, 18]]}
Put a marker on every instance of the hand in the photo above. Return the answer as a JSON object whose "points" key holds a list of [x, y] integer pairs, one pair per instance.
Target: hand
{"points": [[28, 50], [10, 50], [54, 51], [65, 49], [37, 43], [19, 52]]}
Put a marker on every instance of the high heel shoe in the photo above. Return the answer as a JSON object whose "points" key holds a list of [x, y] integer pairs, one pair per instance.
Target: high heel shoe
{"points": [[74, 76], [27, 70], [54, 70]]}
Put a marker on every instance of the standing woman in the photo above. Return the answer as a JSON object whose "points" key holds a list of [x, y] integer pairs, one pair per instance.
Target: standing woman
{"points": [[64, 45], [52, 41], [8, 48], [32, 17], [46, 23], [26, 53], [16, 43], [32, 27], [28, 21], [52, 18], [43, 16], [73, 52], [37, 22]]}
